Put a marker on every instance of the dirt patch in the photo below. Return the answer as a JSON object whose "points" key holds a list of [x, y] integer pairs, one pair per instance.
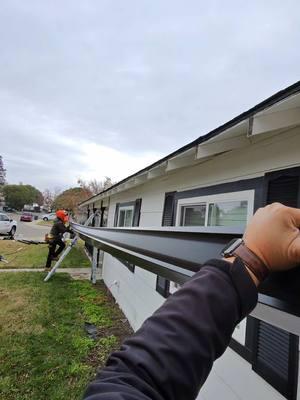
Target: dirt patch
{"points": [[109, 338]]}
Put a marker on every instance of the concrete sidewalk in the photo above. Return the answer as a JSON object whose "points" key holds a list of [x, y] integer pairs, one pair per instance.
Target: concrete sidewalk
{"points": [[76, 273]]}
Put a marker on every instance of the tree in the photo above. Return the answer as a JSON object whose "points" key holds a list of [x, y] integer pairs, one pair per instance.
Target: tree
{"points": [[70, 198], [48, 199], [95, 186], [2, 172], [18, 195]]}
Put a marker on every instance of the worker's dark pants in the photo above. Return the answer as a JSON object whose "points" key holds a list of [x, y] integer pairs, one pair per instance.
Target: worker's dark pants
{"points": [[53, 252]]}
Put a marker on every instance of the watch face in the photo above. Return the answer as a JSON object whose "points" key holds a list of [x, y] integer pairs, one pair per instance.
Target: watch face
{"points": [[230, 247]]}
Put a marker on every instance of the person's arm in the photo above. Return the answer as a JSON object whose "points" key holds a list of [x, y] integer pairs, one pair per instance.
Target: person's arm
{"points": [[62, 228], [172, 354]]}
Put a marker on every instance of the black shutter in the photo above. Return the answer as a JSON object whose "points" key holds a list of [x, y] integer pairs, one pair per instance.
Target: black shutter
{"points": [[168, 213], [94, 218], [116, 214], [275, 351], [137, 212], [284, 189], [163, 284], [275, 358], [89, 247]]}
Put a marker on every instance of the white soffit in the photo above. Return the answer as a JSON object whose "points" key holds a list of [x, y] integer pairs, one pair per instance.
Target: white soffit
{"points": [[230, 139], [138, 180], [275, 121], [286, 104], [281, 116], [182, 160], [157, 171]]}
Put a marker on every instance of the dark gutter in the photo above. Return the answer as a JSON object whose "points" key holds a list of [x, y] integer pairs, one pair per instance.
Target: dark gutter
{"points": [[275, 98]]}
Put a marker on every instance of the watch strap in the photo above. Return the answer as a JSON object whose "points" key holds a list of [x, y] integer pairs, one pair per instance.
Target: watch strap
{"points": [[252, 261]]}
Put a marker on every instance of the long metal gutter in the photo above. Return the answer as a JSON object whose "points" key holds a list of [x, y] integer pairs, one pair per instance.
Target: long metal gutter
{"points": [[174, 253]]}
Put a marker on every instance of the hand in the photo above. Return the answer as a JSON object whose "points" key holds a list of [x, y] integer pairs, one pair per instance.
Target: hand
{"points": [[273, 235]]}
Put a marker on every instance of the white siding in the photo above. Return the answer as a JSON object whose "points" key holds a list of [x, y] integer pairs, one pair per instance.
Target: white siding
{"points": [[134, 292], [232, 377]]}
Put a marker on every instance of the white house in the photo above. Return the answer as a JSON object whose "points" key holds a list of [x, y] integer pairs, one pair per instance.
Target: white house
{"points": [[220, 179]]}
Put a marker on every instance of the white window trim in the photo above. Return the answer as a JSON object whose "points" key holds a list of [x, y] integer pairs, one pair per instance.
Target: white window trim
{"points": [[244, 195], [125, 208]]}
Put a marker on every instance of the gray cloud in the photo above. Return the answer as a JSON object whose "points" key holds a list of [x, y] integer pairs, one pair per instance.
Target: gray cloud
{"points": [[138, 76]]}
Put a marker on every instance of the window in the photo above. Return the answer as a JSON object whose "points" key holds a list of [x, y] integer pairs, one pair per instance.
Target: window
{"points": [[104, 216], [227, 209], [125, 217], [230, 213], [193, 215]]}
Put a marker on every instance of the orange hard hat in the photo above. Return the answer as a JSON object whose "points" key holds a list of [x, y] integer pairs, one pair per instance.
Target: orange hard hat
{"points": [[62, 215]]}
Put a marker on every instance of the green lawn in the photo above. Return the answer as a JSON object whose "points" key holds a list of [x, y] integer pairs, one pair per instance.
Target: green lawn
{"points": [[44, 223], [22, 255], [44, 350]]}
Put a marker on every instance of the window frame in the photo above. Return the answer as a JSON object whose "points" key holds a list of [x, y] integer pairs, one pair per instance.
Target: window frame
{"points": [[125, 208], [135, 206], [244, 195]]}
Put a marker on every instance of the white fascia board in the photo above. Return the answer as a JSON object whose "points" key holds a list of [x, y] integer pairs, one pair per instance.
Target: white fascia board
{"points": [[269, 122]]}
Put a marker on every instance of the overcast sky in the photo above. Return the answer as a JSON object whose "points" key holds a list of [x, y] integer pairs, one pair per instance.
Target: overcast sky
{"points": [[103, 88]]}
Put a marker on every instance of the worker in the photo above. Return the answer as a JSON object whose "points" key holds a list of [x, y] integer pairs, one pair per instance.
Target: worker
{"points": [[54, 239], [172, 354]]}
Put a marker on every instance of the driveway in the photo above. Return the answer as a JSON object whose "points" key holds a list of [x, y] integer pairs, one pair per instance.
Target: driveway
{"points": [[29, 230]]}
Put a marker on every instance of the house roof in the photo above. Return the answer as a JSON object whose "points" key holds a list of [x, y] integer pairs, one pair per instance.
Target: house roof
{"points": [[276, 113]]}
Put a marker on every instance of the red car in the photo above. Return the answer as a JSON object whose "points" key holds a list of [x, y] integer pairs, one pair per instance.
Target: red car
{"points": [[27, 217]]}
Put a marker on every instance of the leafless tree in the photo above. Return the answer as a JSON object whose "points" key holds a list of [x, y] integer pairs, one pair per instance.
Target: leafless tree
{"points": [[95, 186]]}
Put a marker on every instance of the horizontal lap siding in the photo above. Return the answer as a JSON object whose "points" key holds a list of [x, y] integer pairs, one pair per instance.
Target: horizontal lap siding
{"points": [[138, 300]]}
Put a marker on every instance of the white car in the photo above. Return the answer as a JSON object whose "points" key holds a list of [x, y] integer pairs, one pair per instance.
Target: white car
{"points": [[48, 217], [7, 225]]}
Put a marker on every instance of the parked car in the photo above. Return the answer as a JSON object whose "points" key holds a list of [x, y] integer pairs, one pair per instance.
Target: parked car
{"points": [[48, 217], [26, 217], [9, 209], [8, 226]]}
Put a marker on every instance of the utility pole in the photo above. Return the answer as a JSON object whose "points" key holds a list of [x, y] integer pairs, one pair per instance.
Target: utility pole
{"points": [[2, 172]]}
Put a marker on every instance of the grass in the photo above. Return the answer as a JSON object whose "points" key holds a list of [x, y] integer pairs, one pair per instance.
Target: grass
{"points": [[22, 255], [44, 350], [44, 223]]}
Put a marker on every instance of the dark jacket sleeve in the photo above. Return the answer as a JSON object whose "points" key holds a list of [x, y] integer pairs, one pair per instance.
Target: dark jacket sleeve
{"points": [[171, 355], [59, 228]]}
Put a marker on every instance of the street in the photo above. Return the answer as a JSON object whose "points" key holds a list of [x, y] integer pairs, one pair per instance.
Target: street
{"points": [[29, 230]]}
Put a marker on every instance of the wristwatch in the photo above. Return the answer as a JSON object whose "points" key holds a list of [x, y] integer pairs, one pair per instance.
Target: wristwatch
{"points": [[237, 248]]}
